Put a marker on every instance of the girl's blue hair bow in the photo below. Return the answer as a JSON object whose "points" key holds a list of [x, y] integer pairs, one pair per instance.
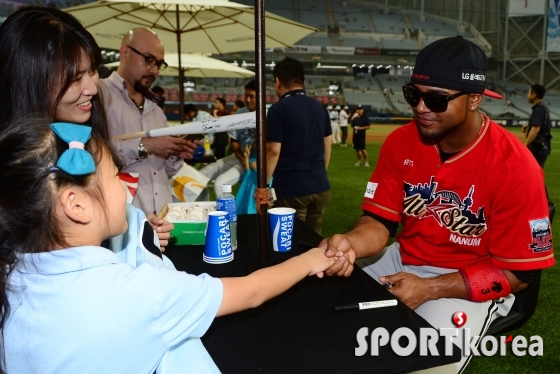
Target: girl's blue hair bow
{"points": [[75, 160]]}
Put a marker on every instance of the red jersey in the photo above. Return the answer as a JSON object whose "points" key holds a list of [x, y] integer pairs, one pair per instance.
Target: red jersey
{"points": [[486, 203]]}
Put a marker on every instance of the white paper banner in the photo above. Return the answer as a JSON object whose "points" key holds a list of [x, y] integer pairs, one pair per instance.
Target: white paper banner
{"points": [[303, 49], [526, 7], [553, 33], [341, 50]]}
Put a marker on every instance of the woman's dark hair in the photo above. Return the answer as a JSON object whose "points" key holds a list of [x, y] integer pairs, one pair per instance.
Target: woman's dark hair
{"points": [[41, 50], [222, 101]]}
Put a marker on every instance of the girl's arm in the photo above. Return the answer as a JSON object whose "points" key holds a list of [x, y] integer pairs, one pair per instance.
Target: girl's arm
{"points": [[264, 284], [246, 153]]}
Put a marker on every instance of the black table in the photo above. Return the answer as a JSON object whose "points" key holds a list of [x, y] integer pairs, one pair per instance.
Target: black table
{"points": [[299, 331]]}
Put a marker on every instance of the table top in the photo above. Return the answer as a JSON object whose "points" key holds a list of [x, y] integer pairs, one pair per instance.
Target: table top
{"points": [[299, 331]]}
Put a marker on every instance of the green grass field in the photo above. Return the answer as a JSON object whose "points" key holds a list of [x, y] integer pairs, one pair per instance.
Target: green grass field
{"points": [[347, 189]]}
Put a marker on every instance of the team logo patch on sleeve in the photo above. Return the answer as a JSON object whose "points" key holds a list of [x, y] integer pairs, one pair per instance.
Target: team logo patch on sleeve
{"points": [[541, 235], [370, 190]]}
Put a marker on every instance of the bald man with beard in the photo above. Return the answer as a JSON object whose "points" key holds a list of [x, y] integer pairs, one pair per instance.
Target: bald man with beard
{"points": [[132, 107]]}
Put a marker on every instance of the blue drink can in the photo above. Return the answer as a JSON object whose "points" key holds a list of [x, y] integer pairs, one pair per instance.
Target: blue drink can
{"points": [[281, 221], [217, 246]]}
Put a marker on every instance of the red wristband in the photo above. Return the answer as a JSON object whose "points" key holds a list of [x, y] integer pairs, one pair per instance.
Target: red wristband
{"points": [[485, 282]]}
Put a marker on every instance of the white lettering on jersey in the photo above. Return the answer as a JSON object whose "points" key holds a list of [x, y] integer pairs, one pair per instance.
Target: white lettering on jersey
{"points": [[370, 190], [408, 162], [473, 242]]}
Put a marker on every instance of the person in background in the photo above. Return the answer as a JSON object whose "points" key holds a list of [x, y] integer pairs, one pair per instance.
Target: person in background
{"points": [[192, 113], [451, 178], [298, 146], [245, 199], [237, 104], [360, 123], [132, 107], [220, 138], [537, 131], [333, 113], [343, 124], [219, 108], [229, 169]]}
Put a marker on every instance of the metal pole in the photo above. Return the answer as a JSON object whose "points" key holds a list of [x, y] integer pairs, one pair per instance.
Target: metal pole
{"points": [[181, 72], [260, 76], [506, 54], [543, 48]]}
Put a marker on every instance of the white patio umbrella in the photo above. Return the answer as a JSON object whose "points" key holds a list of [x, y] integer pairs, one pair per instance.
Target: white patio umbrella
{"points": [[211, 26], [199, 66]]}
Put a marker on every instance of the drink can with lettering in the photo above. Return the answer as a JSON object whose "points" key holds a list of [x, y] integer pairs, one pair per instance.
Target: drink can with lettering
{"points": [[281, 221]]}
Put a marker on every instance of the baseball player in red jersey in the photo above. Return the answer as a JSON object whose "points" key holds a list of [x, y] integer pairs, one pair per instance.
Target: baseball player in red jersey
{"points": [[473, 231]]}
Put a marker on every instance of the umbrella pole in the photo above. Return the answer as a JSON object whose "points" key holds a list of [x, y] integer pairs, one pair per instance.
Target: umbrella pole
{"points": [[181, 77], [260, 76]]}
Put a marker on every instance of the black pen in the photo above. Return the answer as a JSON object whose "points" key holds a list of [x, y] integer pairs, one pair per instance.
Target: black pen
{"points": [[366, 305]]}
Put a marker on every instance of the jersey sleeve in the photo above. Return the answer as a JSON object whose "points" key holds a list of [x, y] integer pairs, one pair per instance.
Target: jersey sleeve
{"points": [[520, 229], [384, 196]]}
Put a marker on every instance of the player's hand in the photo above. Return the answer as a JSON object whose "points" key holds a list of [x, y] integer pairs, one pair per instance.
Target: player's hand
{"points": [[340, 247], [408, 288], [166, 146], [524, 129], [162, 228]]}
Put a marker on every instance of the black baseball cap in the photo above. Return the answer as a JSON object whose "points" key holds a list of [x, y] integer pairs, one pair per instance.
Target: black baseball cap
{"points": [[455, 63], [359, 106]]}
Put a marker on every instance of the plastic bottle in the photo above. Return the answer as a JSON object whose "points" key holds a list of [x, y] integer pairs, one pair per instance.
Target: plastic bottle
{"points": [[207, 150], [226, 203]]}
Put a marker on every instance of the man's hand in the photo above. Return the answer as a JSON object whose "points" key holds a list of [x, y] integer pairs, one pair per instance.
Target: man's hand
{"points": [[165, 146], [162, 229], [524, 129], [191, 146], [408, 288], [339, 246]]}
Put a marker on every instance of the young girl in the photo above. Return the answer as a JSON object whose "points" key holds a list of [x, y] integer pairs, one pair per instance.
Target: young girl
{"points": [[69, 305], [246, 203]]}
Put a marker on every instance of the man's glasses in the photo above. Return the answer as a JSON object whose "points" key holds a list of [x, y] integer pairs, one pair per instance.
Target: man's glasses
{"points": [[151, 60], [437, 103]]}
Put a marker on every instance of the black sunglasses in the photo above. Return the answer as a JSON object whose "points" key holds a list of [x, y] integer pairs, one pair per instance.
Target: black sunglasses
{"points": [[151, 60], [437, 103]]}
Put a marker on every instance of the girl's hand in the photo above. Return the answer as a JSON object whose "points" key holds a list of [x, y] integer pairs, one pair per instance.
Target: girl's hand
{"points": [[317, 261], [162, 228], [247, 151]]}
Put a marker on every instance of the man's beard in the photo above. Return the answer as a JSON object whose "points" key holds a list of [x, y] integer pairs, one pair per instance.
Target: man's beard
{"points": [[433, 137], [140, 88]]}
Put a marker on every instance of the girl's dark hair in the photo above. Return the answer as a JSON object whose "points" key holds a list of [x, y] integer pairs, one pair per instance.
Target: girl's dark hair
{"points": [[28, 189], [41, 51]]}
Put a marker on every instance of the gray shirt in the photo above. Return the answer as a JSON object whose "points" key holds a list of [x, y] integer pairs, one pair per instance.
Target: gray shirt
{"points": [[124, 117]]}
